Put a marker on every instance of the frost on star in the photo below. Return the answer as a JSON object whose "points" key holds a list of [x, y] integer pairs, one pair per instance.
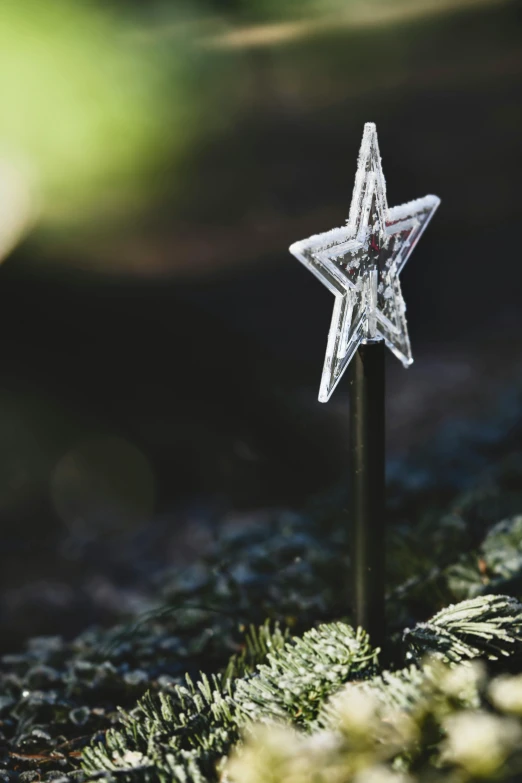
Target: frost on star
{"points": [[360, 264]]}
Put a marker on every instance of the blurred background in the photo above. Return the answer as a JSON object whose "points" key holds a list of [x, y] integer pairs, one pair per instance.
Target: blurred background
{"points": [[161, 350]]}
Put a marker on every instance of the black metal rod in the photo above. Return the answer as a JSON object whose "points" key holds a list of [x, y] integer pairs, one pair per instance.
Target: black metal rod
{"points": [[367, 435]]}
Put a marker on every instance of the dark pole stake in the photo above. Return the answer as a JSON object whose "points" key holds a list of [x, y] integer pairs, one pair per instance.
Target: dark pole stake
{"points": [[367, 434]]}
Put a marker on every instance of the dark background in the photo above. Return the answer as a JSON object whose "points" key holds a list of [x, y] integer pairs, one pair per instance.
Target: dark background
{"points": [[161, 358]]}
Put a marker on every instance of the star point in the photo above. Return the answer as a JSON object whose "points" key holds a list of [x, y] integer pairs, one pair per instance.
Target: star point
{"points": [[360, 264]]}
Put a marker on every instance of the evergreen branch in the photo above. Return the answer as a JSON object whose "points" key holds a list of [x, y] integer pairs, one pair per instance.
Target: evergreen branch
{"points": [[489, 626], [293, 684], [259, 642], [194, 726], [444, 723]]}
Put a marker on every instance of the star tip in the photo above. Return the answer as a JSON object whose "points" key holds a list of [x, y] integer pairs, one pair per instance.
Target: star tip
{"points": [[323, 396], [435, 200]]}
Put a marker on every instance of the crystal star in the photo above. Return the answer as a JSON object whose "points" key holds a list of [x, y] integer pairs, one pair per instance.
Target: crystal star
{"points": [[360, 264]]}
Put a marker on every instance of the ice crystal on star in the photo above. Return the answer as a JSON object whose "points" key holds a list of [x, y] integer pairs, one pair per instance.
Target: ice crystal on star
{"points": [[360, 264]]}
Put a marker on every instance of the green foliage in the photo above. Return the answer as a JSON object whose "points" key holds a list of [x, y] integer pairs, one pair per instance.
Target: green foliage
{"points": [[259, 643], [454, 724], [501, 549], [296, 681], [185, 731], [186, 734], [437, 721], [195, 725], [56, 697], [178, 735], [488, 626], [288, 569]]}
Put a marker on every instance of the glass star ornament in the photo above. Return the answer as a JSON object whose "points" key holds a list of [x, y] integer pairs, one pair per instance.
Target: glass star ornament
{"points": [[360, 264]]}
